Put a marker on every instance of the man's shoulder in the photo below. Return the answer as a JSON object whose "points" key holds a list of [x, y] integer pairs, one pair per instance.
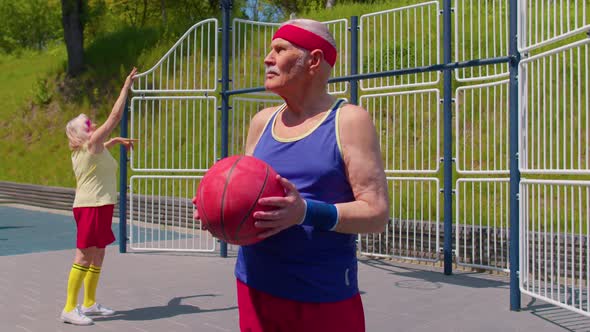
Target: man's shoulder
{"points": [[262, 116], [353, 113], [347, 107], [268, 111]]}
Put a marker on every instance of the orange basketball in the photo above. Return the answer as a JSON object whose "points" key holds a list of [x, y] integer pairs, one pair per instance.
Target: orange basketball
{"points": [[228, 196]]}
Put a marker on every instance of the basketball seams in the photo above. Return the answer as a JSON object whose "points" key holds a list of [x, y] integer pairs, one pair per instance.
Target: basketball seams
{"points": [[228, 193], [222, 205], [247, 215]]}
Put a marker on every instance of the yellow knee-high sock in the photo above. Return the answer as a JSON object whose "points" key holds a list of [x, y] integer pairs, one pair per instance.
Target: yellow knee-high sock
{"points": [[90, 283], [77, 274]]}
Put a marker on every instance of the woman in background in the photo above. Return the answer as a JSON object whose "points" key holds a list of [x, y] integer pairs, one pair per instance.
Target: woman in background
{"points": [[96, 194]]}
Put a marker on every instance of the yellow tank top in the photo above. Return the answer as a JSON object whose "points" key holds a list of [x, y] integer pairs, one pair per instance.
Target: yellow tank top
{"points": [[96, 178]]}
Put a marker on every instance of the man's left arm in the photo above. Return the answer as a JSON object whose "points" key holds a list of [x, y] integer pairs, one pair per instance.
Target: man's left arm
{"points": [[369, 212]]}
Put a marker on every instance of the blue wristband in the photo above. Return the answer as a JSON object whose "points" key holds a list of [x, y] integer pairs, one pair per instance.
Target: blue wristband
{"points": [[321, 216]]}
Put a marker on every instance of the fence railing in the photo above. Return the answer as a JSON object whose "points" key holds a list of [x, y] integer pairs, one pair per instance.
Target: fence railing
{"points": [[555, 223], [166, 222]]}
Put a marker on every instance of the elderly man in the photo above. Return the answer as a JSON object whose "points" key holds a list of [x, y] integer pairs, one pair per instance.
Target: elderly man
{"points": [[303, 275]]}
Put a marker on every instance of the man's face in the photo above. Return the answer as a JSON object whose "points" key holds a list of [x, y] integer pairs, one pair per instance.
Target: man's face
{"points": [[284, 65]]}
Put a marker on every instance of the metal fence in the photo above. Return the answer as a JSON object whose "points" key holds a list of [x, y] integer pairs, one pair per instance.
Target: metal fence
{"points": [[554, 260], [444, 147], [554, 141]]}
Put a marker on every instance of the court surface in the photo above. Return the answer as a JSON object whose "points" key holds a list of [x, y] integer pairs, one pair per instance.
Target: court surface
{"points": [[196, 292]]}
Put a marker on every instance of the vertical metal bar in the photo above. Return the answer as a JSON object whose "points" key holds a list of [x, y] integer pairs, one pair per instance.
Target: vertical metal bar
{"points": [[447, 140], [354, 54], [123, 186], [225, 38], [552, 250], [514, 170]]}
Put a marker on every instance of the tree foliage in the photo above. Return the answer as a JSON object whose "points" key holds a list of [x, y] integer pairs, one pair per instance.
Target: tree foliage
{"points": [[279, 10], [29, 24], [33, 24], [168, 14]]}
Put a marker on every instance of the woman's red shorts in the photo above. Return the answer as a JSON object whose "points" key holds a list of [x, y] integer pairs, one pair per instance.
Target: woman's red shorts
{"points": [[94, 226]]}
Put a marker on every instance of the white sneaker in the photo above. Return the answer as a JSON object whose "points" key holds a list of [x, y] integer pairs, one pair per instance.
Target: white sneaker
{"points": [[97, 309], [75, 317]]}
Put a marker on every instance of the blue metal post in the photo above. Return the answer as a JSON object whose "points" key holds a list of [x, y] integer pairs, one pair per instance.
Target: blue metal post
{"points": [[354, 55], [123, 186], [514, 170], [447, 141], [225, 39]]}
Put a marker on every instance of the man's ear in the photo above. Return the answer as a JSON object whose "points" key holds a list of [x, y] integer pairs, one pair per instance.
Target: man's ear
{"points": [[315, 59]]}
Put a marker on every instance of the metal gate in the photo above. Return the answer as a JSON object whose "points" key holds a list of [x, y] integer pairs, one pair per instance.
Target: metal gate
{"points": [[554, 105], [174, 115], [519, 106]]}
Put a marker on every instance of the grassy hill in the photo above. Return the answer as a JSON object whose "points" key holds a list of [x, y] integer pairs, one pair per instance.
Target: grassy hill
{"points": [[37, 99], [32, 125]]}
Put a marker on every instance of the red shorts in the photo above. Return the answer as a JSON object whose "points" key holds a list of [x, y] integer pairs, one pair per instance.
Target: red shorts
{"points": [[260, 312], [94, 226]]}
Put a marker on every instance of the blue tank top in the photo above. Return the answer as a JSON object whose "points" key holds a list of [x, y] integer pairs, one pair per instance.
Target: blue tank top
{"points": [[301, 263]]}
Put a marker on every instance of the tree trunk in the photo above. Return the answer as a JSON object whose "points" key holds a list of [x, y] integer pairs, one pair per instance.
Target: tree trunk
{"points": [[144, 15], [71, 19], [163, 8], [330, 3]]}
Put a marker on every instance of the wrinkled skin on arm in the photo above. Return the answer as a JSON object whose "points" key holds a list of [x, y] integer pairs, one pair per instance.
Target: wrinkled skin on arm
{"points": [[368, 213]]}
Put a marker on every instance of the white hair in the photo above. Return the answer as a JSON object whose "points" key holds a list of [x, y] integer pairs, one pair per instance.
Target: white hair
{"points": [[77, 131], [316, 27]]}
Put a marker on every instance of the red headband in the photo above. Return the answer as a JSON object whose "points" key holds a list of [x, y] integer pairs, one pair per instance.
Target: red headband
{"points": [[307, 40]]}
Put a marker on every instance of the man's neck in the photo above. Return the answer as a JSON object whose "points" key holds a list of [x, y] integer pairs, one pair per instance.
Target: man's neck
{"points": [[307, 102]]}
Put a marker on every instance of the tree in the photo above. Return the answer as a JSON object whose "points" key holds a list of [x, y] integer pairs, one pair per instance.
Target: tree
{"points": [[287, 7], [28, 24], [174, 15], [301, 6], [71, 18], [163, 10]]}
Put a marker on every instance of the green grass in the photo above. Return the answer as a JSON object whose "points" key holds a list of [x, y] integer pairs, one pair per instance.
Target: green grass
{"points": [[21, 72], [30, 133], [37, 101], [346, 10]]}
